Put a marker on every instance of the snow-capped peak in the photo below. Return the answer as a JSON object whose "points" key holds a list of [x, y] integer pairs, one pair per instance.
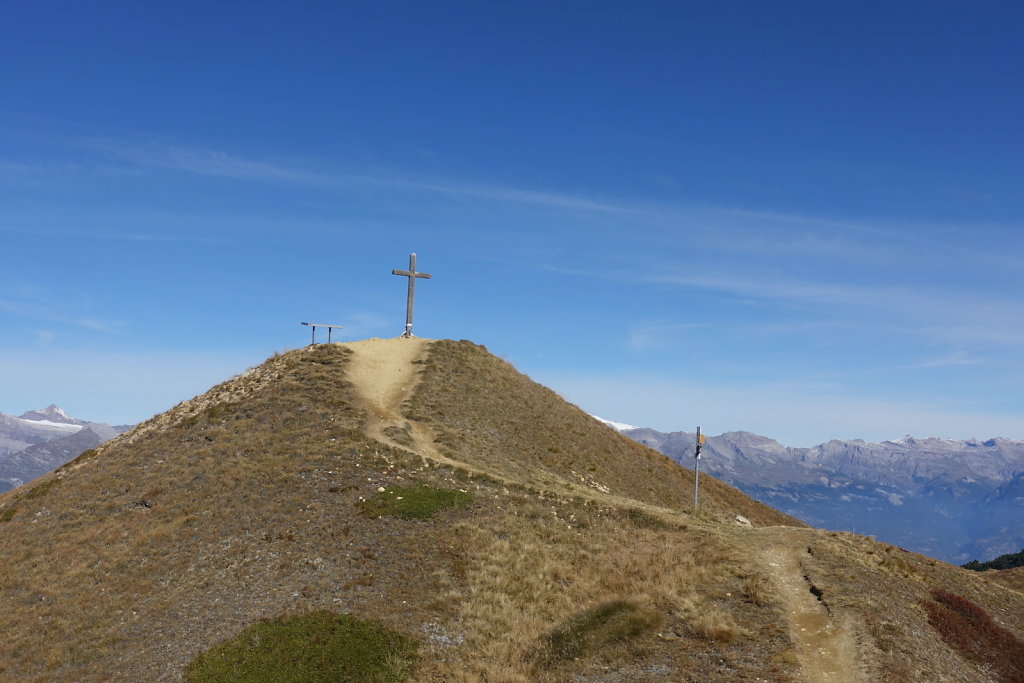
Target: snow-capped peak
{"points": [[620, 426], [51, 415]]}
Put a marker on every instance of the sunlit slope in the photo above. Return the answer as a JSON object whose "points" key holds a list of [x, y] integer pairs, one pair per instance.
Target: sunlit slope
{"points": [[490, 416], [305, 486]]}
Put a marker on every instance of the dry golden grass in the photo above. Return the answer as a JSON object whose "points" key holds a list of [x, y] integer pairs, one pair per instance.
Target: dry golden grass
{"points": [[886, 589], [716, 624], [757, 589], [490, 416], [247, 503], [1011, 578]]}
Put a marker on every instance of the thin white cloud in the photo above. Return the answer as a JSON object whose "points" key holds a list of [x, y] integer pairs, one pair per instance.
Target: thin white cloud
{"points": [[954, 359], [33, 303], [940, 313], [655, 336], [723, 229], [222, 165]]}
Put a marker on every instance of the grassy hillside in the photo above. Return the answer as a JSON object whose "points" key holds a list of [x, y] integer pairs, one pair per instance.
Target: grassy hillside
{"points": [[1014, 578], [481, 530], [488, 415]]}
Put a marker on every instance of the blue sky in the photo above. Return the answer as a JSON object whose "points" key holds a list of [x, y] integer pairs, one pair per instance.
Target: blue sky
{"points": [[801, 219]]}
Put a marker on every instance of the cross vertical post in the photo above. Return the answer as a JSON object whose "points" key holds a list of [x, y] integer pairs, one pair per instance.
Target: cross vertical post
{"points": [[412, 275]]}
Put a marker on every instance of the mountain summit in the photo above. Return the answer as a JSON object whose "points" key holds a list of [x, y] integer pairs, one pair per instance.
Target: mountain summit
{"points": [[476, 525], [38, 441], [51, 413]]}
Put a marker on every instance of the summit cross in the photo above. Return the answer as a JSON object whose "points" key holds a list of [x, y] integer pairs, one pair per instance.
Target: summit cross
{"points": [[412, 275]]}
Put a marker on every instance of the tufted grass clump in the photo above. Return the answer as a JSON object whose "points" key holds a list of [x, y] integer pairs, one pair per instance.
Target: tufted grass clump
{"points": [[310, 648], [419, 501], [596, 628]]}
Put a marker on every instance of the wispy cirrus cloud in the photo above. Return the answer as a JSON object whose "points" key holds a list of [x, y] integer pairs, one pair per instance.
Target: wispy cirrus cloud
{"points": [[944, 313], [653, 336], [717, 231], [219, 164], [34, 303], [957, 358]]}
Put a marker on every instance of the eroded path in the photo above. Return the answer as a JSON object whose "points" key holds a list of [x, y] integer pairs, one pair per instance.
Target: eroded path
{"points": [[384, 375], [825, 645]]}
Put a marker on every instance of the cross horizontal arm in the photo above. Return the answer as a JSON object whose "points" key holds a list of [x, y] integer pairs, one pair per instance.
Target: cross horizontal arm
{"points": [[408, 273]]}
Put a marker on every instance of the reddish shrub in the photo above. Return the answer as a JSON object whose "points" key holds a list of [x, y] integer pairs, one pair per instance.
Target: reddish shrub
{"points": [[967, 628]]}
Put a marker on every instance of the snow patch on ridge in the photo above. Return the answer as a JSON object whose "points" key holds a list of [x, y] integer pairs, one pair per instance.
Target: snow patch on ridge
{"points": [[48, 423], [620, 426]]}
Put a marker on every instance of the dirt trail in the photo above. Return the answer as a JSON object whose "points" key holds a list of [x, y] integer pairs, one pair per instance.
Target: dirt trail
{"points": [[383, 373], [384, 376], [826, 647]]}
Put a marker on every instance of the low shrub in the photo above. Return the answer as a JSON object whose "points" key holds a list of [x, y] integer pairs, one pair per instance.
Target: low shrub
{"points": [[311, 648], [969, 629]]}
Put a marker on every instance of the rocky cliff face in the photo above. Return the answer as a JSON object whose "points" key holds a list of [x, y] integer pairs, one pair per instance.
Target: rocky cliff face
{"points": [[953, 500]]}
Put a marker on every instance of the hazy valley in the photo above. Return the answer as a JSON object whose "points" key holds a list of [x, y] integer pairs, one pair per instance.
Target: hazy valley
{"points": [[953, 500]]}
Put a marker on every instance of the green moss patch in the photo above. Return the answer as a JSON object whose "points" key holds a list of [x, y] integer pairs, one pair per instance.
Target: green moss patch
{"points": [[309, 648], [415, 502]]}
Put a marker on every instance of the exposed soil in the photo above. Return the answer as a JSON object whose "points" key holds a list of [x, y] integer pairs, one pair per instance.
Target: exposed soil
{"points": [[825, 644], [384, 374]]}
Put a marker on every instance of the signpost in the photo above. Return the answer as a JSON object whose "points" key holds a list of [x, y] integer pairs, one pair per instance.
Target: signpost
{"points": [[412, 275], [696, 467]]}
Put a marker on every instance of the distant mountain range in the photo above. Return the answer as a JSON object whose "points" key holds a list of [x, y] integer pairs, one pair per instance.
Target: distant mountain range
{"points": [[952, 500], [39, 441]]}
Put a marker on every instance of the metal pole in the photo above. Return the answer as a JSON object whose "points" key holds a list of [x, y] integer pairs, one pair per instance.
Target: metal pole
{"points": [[408, 303], [696, 470]]}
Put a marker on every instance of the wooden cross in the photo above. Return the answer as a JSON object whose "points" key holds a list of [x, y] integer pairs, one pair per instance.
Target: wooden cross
{"points": [[412, 275]]}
